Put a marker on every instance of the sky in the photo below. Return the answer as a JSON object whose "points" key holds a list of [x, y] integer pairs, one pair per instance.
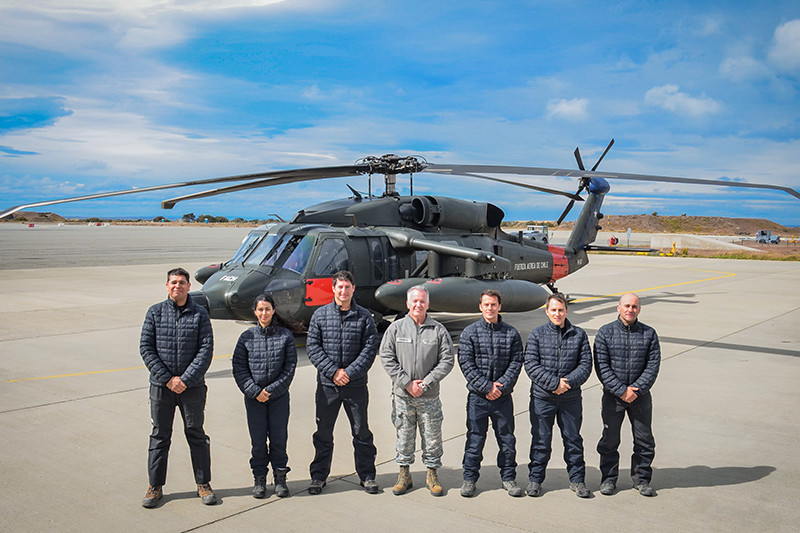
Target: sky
{"points": [[100, 96]]}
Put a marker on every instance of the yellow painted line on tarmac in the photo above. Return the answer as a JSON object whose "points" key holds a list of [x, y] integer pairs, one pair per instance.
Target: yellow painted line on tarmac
{"points": [[89, 373], [723, 276]]}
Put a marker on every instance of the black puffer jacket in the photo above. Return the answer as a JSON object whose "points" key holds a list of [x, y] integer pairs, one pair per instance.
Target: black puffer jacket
{"points": [[264, 358], [553, 353], [177, 342], [627, 356], [342, 339], [488, 353]]}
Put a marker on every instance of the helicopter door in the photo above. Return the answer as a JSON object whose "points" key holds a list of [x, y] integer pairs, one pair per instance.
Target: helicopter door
{"points": [[331, 257]]}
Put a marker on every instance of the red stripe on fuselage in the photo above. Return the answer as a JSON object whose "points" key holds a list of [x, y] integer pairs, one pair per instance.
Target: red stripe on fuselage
{"points": [[560, 262]]}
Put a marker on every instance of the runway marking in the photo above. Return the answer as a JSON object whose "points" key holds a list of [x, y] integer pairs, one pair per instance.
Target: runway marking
{"points": [[76, 374], [725, 275]]}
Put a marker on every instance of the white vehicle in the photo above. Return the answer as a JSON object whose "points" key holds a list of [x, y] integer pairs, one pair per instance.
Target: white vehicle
{"points": [[765, 236], [536, 232]]}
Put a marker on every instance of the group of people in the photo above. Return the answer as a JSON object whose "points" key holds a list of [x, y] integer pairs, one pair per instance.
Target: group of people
{"points": [[417, 353]]}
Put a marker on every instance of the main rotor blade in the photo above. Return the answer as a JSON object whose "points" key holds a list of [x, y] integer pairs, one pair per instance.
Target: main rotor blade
{"points": [[697, 181], [570, 195], [563, 172], [276, 178], [288, 175]]}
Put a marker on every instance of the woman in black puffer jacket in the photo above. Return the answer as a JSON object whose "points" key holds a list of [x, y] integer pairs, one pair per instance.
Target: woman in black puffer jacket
{"points": [[264, 362]]}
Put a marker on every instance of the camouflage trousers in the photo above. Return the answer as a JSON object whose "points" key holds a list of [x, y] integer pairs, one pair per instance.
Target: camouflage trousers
{"points": [[407, 415]]}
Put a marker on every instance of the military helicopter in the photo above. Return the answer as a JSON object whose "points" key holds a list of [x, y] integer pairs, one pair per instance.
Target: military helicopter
{"points": [[390, 243]]}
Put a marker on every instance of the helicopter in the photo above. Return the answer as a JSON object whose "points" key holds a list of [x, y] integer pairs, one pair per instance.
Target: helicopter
{"points": [[390, 242]]}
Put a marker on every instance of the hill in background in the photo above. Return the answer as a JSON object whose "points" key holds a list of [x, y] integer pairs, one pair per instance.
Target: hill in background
{"points": [[689, 224]]}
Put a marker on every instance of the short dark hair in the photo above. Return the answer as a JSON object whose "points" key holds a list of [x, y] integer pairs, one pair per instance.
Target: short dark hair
{"points": [[494, 293], [343, 275], [178, 272], [559, 296]]}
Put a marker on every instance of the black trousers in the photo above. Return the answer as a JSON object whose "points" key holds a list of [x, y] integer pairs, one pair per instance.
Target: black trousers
{"points": [[501, 413], [640, 414], [268, 421], [568, 413], [328, 402], [191, 404]]}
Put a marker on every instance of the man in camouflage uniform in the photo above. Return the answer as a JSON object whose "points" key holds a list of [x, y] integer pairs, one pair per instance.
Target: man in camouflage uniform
{"points": [[417, 352]]}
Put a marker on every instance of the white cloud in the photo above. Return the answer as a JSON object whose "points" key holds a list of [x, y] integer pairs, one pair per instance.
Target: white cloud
{"points": [[785, 51], [574, 110], [670, 98], [743, 68]]}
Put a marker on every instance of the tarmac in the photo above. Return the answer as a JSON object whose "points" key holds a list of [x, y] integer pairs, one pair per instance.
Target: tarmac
{"points": [[75, 418]]}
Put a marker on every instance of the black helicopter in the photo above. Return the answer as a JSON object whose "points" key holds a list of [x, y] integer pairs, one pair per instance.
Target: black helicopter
{"points": [[392, 242]]}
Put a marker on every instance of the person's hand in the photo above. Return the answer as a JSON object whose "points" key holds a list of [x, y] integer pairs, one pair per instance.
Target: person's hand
{"points": [[563, 386], [629, 395], [495, 393], [263, 396], [341, 378], [176, 385], [414, 388]]}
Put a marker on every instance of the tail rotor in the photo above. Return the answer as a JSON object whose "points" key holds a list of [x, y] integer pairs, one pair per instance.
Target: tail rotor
{"points": [[584, 181]]}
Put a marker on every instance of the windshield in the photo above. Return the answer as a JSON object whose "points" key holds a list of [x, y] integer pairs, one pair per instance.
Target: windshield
{"points": [[248, 244], [270, 243]]}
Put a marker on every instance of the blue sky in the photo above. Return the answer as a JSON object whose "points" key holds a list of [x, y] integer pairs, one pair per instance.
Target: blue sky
{"points": [[98, 96]]}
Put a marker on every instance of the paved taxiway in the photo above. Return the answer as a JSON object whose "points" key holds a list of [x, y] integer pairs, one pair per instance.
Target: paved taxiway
{"points": [[74, 414]]}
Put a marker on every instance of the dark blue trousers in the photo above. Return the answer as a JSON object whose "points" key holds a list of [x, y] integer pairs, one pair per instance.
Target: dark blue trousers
{"points": [[501, 413], [355, 400], [640, 414], [192, 404], [268, 421], [568, 413]]}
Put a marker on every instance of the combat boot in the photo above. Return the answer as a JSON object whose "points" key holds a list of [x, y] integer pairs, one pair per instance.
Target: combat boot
{"points": [[259, 487], [281, 490], [433, 483], [403, 481]]}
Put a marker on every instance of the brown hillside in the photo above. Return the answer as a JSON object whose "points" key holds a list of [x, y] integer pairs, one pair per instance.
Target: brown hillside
{"points": [[690, 224]]}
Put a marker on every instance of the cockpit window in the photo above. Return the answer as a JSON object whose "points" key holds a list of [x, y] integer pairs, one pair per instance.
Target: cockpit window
{"points": [[248, 244], [269, 246], [332, 258], [299, 250]]}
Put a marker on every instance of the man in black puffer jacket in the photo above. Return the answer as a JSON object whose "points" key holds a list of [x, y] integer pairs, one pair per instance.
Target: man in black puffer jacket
{"points": [[627, 356], [342, 343], [558, 360], [490, 356], [177, 344]]}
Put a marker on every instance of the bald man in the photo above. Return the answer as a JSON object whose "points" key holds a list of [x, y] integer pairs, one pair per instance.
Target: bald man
{"points": [[627, 357]]}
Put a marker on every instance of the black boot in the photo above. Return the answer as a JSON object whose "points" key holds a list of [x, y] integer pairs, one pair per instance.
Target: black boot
{"points": [[281, 490], [260, 487]]}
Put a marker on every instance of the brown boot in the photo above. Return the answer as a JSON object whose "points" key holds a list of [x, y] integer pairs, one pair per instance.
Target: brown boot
{"points": [[433, 483], [206, 494], [403, 481]]}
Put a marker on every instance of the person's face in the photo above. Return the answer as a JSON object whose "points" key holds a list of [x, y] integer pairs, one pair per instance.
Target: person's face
{"points": [[557, 312], [417, 304], [629, 309], [178, 288], [264, 312], [343, 292], [490, 308]]}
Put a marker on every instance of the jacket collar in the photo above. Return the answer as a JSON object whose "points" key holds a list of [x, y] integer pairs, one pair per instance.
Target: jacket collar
{"points": [[175, 306], [553, 327], [624, 327], [496, 326]]}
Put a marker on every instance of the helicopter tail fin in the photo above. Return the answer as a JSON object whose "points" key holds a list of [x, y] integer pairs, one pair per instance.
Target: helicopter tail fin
{"points": [[587, 225]]}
